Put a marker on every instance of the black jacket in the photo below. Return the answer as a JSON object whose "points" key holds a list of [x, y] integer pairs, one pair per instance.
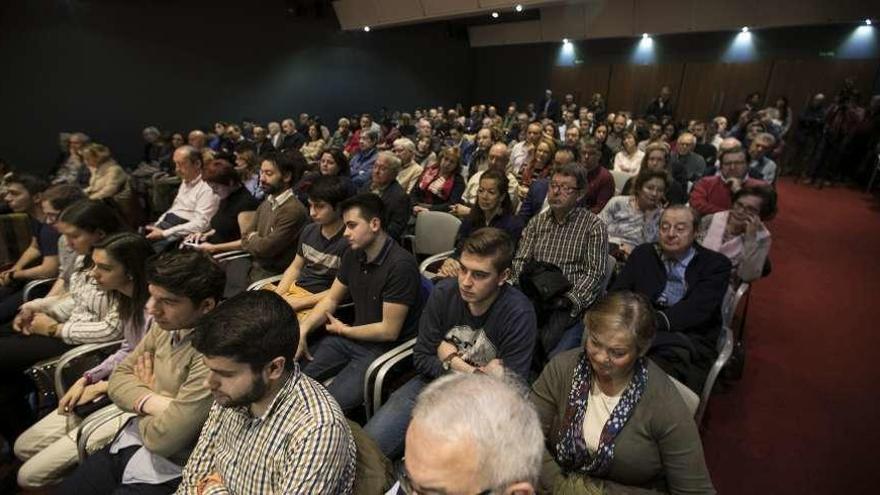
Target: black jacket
{"points": [[397, 208], [698, 314]]}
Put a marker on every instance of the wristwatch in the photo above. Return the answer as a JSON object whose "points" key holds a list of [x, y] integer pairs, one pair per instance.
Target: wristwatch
{"points": [[447, 361]]}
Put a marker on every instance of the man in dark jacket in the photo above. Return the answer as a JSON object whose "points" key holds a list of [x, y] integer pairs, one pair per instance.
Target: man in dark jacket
{"points": [[383, 183], [686, 283]]}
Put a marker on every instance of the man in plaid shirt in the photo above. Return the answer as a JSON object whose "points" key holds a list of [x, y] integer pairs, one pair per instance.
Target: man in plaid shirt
{"points": [[574, 240], [271, 429]]}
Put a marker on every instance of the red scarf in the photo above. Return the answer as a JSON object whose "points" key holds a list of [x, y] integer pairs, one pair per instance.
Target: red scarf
{"points": [[431, 174]]}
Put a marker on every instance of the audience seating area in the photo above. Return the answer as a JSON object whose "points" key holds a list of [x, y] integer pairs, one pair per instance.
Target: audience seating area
{"points": [[374, 157]]}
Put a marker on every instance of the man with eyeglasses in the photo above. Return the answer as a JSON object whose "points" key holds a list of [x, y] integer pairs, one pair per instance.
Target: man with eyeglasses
{"points": [[715, 193], [575, 241], [686, 284], [496, 447]]}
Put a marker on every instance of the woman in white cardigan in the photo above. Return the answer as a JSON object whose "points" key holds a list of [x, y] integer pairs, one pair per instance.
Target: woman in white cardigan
{"points": [[629, 159]]}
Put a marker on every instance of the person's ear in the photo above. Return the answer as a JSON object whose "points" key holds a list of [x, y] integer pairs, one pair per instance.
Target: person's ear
{"points": [[207, 305], [505, 276], [522, 488], [375, 224], [275, 368]]}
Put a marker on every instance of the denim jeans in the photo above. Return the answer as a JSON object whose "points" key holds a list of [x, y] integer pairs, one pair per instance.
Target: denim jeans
{"points": [[571, 338], [351, 359], [388, 426]]}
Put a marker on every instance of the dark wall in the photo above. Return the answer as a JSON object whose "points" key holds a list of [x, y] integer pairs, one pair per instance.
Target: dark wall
{"points": [[110, 68], [521, 73]]}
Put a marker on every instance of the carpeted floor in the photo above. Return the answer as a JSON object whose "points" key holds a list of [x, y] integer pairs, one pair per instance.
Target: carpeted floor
{"points": [[805, 418]]}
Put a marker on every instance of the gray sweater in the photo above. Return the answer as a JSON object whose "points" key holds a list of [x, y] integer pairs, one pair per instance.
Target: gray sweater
{"points": [[658, 450]]}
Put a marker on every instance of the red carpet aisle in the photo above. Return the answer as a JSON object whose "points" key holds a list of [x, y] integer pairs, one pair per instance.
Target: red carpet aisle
{"points": [[806, 416]]}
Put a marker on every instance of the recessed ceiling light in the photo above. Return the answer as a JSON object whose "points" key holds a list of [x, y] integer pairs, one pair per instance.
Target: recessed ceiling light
{"points": [[644, 35], [366, 29], [518, 7], [867, 22], [495, 15], [745, 29]]}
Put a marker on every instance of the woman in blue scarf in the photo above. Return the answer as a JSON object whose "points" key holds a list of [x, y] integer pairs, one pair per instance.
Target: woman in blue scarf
{"points": [[612, 419]]}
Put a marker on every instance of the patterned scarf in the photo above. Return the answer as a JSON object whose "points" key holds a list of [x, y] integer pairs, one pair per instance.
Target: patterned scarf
{"points": [[433, 182], [571, 449]]}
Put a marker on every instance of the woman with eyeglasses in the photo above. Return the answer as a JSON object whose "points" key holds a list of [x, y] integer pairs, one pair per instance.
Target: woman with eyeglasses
{"points": [[612, 419], [635, 219], [740, 234]]}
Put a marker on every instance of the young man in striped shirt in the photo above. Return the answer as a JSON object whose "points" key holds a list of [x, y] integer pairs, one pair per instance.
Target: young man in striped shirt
{"points": [[271, 429]]}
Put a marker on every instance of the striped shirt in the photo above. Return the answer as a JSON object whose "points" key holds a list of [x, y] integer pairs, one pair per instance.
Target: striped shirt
{"points": [[578, 246], [88, 314], [301, 445]]}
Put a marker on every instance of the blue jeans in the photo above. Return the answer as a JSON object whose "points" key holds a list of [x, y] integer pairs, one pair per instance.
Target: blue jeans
{"points": [[570, 339], [388, 426], [351, 359]]}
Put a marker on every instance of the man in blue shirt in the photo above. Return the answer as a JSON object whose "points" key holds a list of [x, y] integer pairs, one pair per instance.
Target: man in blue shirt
{"points": [[686, 283], [361, 163]]}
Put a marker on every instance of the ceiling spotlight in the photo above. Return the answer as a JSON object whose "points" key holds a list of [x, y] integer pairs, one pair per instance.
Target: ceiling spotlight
{"points": [[495, 15], [565, 41], [745, 29], [518, 7], [867, 22], [644, 36], [366, 29]]}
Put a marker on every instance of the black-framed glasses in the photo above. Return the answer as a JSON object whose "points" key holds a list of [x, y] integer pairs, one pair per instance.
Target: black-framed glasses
{"points": [[563, 188]]}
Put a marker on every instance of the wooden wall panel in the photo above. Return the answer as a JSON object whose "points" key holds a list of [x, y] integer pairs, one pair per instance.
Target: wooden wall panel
{"points": [[711, 88], [581, 81], [824, 75], [632, 87]]}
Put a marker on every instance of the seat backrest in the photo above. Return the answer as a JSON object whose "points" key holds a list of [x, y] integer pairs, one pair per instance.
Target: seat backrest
{"points": [[435, 232], [691, 399], [620, 179], [375, 473]]}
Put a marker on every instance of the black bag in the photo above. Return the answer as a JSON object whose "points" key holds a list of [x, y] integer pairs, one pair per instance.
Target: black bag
{"points": [[542, 282]]}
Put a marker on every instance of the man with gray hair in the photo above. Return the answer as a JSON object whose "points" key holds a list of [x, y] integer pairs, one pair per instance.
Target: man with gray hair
{"points": [[410, 171], [685, 283], [291, 139], [575, 241], [383, 183], [361, 164], [193, 206], [275, 135], [687, 165], [472, 434], [761, 167]]}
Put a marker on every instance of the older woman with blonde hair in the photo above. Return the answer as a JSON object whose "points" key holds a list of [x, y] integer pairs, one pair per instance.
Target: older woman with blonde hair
{"points": [[440, 185], [108, 179], [612, 419], [537, 166]]}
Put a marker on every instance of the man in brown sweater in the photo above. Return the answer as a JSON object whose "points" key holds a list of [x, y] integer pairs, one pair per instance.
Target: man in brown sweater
{"points": [[272, 236], [162, 382]]}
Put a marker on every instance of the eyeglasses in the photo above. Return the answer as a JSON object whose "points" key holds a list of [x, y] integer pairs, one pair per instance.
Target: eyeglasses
{"points": [[746, 208], [563, 188], [407, 487], [679, 229]]}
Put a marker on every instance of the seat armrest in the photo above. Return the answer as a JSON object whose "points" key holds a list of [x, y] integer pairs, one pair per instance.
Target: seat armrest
{"points": [[375, 367]]}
